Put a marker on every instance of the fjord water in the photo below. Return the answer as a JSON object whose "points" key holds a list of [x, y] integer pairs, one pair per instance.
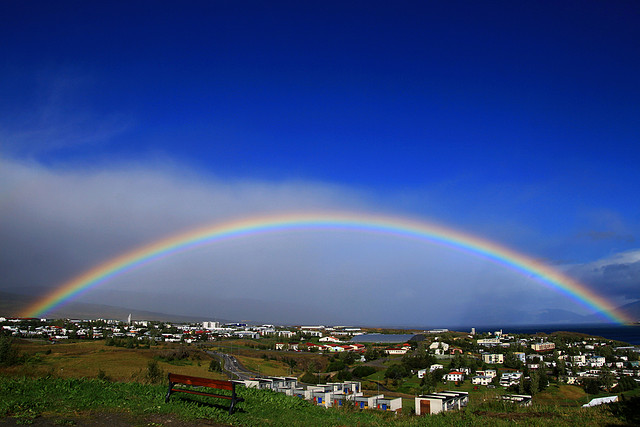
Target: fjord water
{"points": [[625, 333]]}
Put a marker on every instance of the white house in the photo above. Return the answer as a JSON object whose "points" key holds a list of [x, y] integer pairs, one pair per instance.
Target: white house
{"points": [[510, 378], [488, 373], [439, 347], [489, 342], [543, 346], [388, 404], [492, 359], [364, 402], [455, 376], [481, 380], [580, 360], [521, 399], [396, 350], [437, 402]]}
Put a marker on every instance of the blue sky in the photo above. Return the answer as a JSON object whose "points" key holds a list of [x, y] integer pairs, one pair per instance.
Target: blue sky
{"points": [[515, 122]]}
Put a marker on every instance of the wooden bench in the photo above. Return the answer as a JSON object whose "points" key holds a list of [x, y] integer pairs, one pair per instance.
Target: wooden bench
{"points": [[203, 382]]}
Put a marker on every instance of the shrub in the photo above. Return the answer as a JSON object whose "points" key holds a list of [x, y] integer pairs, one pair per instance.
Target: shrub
{"points": [[215, 366], [344, 375], [102, 375], [363, 371], [396, 372], [8, 353], [155, 374], [309, 378], [335, 365], [625, 384]]}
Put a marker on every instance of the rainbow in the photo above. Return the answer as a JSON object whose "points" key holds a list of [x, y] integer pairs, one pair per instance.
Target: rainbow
{"points": [[329, 221]]}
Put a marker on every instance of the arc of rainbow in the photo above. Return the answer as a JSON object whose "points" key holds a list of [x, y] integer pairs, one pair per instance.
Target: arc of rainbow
{"points": [[399, 227]]}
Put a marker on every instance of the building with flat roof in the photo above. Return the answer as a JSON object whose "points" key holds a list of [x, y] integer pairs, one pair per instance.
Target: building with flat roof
{"points": [[435, 403]]}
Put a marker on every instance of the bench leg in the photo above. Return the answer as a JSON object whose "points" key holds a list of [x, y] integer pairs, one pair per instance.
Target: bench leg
{"points": [[233, 399], [166, 399]]}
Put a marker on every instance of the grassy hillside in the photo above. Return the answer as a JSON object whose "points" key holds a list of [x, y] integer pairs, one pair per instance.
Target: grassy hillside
{"points": [[72, 401], [88, 359], [75, 383]]}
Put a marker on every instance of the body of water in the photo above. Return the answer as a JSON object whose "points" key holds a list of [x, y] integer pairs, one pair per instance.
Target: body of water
{"points": [[624, 333], [383, 338], [628, 334]]}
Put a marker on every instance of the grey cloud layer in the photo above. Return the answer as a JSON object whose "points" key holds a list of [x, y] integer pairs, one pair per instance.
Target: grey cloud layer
{"points": [[57, 222], [618, 274]]}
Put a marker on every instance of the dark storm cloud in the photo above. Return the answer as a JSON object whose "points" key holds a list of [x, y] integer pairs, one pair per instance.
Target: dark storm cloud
{"points": [[616, 275]]}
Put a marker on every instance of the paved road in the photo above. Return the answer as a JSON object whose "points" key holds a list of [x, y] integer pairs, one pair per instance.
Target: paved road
{"points": [[234, 369]]}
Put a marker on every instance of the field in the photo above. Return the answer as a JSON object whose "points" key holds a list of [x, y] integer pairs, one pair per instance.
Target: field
{"points": [[88, 359], [77, 383]]}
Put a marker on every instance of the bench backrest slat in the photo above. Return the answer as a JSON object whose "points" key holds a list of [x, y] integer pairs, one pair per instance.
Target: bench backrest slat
{"points": [[203, 382]]}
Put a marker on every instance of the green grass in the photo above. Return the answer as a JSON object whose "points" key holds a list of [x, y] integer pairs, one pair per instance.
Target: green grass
{"points": [[378, 376], [60, 399]]}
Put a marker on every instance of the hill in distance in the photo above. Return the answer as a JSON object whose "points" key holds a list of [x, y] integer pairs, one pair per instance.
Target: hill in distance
{"points": [[632, 310], [12, 305]]}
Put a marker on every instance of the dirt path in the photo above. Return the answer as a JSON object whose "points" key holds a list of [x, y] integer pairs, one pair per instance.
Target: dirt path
{"points": [[110, 420]]}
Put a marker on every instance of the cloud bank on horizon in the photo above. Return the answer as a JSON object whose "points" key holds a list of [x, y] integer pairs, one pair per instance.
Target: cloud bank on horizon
{"points": [[515, 123]]}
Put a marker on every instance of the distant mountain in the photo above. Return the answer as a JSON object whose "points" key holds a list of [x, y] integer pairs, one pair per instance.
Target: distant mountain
{"points": [[12, 305], [556, 316], [510, 315], [632, 310]]}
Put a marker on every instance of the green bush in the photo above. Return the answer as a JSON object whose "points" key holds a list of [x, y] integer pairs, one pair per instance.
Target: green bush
{"points": [[363, 371], [215, 366], [9, 355], [155, 374], [625, 384], [309, 378], [396, 372]]}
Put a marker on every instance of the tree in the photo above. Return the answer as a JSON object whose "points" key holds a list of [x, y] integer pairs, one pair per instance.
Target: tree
{"points": [[437, 375], [290, 361], [348, 357], [534, 383], [427, 384], [625, 384], [591, 385], [396, 371], [309, 378], [511, 361], [363, 371], [606, 378], [344, 375], [335, 365], [371, 354]]}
